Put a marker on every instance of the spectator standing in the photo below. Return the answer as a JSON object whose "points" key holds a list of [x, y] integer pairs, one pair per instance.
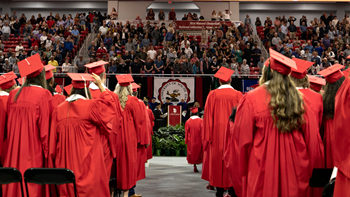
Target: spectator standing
{"points": [[315, 58], [277, 23], [234, 67], [257, 22], [325, 64], [13, 59], [15, 68], [335, 21], [245, 70], [290, 19], [214, 16], [224, 63], [284, 28], [158, 65], [7, 67], [281, 35], [150, 14], [155, 36], [161, 15], [326, 42], [103, 29], [303, 31], [18, 48], [261, 65], [172, 14], [16, 28], [129, 46], [256, 53], [292, 30], [309, 47], [14, 16], [148, 67], [108, 42], [268, 21], [169, 38], [275, 40], [6, 31], [303, 19], [27, 29], [114, 14], [69, 21], [227, 15], [146, 41], [75, 33], [80, 65], [101, 51], [152, 53], [248, 21], [66, 66], [83, 21], [319, 50], [54, 63], [135, 66]]}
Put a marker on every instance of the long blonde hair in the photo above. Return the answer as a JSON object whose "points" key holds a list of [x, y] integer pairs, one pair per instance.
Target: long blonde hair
{"points": [[123, 92], [286, 104]]}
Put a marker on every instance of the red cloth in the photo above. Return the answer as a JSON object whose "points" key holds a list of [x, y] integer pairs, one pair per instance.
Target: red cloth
{"points": [[3, 116], [273, 164], [144, 134], [218, 108], [50, 23], [231, 158], [193, 139], [328, 135], [75, 143], [151, 119], [133, 120], [28, 127], [205, 165], [341, 139], [57, 99], [101, 52]]}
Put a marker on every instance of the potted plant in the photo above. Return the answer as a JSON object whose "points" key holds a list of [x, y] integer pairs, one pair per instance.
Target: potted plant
{"points": [[177, 145], [167, 146], [157, 146]]}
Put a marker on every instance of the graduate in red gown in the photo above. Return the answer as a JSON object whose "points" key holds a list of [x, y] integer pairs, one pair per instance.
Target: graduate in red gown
{"points": [[276, 152], [193, 139], [7, 83], [316, 83], [29, 109], [217, 111], [301, 81], [56, 98], [75, 138], [341, 140], [109, 144], [129, 136], [335, 79], [151, 125]]}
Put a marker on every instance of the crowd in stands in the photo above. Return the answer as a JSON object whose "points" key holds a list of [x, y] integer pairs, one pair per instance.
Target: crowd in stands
{"points": [[154, 48], [55, 37], [324, 41]]}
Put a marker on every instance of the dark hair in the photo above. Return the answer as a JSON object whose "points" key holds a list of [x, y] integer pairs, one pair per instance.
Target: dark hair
{"points": [[80, 92], [50, 88], [37, 80], [233, 114], [329, 97]]}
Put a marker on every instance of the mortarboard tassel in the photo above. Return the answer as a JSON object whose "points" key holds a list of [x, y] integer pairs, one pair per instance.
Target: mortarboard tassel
{"points": [[86, 93]]}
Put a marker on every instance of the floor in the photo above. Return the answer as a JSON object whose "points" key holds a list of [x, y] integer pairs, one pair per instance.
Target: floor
{"points": [[172, 177]]}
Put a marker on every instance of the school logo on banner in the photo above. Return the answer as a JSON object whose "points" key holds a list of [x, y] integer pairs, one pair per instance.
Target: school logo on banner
{"points": [[174, 89]]}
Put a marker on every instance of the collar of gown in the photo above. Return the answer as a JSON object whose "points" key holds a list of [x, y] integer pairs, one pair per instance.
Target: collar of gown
{"points": [[300, 88], [93, 86], [3, 93], [36, 86], [75, 97], [225, 86], [55, 93], [267, 83], [194, 117]]}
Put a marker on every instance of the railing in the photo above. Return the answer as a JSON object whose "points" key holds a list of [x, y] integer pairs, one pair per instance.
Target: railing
{"points": [[264, 52]]}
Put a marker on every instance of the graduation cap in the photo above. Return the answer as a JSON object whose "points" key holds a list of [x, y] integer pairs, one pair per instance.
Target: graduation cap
{"points": [[68, 88], [348, 57], [79, 80], [224, 74], [31, 66], [302, 67], [58, 89], [194, 110], [281, 63], [49, 73], [332, 73], [21, 80], [267, 62], [316, 83], [97, 67], [346, 73], [124, 80], [135, 87], [7, 80]]}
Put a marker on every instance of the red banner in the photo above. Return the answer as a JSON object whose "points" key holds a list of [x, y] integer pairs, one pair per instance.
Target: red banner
{"points": [[198, 25], [174, 115]]}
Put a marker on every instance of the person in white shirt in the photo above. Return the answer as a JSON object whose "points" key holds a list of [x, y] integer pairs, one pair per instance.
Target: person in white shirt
{"points": [[66, 66], [152, 53], [234, 66], [184, 43], [245, 69], [227, 15], [6, 30], [335, 21], [43, 38], [284, 28], [103, 29], [214, 16], [188, 51], [19, 47]]}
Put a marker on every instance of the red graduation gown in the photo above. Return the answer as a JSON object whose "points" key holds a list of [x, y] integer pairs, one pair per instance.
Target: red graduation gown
{"points": [[27, 134], [133, 120], [151, 119], [273, 164], [57, 99], [205, 165], [218, 108], [341, 140], [231, 158], [109, 143], [193, 139], [317, 107], [75, 143], [3, 118], [143, 135], [328, 132]]}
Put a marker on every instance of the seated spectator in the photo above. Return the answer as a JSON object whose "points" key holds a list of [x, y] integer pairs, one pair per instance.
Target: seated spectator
{"points": [[281, 35], [148, 67], [276, 40], [325, 64], [15, 68], [35, 51], [315, 58], [7, 67], [22, 55], [92, 53], [48, 53], [315, 68], [18, 48], [75, 33], [184, 42], [12, 59], [112, 52], [194, 59], [279, 46], [245, 70], [48, 42]]}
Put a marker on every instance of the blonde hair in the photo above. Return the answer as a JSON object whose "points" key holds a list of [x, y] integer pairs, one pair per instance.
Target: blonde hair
{"points": [[123, 92], [286, 104], [304, 82]]}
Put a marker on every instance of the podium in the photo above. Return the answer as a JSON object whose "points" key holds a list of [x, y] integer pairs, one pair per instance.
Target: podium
{"points": [[174, 115]]}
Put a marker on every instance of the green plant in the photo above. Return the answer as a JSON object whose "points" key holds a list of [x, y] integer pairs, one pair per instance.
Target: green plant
{"points": [[156, 143]]}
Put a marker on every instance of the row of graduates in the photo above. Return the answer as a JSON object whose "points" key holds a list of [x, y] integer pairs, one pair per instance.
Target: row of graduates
{"points": [[268, 141], [84, 132]]}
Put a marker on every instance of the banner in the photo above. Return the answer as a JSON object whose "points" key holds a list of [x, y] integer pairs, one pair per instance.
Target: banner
{"points": [[174, 115], [174, 88], [247, 84], [198, 25]]}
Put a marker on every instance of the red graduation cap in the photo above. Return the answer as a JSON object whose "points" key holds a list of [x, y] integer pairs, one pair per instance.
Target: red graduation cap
{"points": [[346, 73], [316, 83], [97, 67], [348, 57], [21, 80], [281, 63], [7, 80], [224, 74], [194, 110], [267, 62], [58, 89], [31, 67], [68, 88], [124, 80], [332, 73], [135, 86], [302, 67], [79, 80], [49, 73]]}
